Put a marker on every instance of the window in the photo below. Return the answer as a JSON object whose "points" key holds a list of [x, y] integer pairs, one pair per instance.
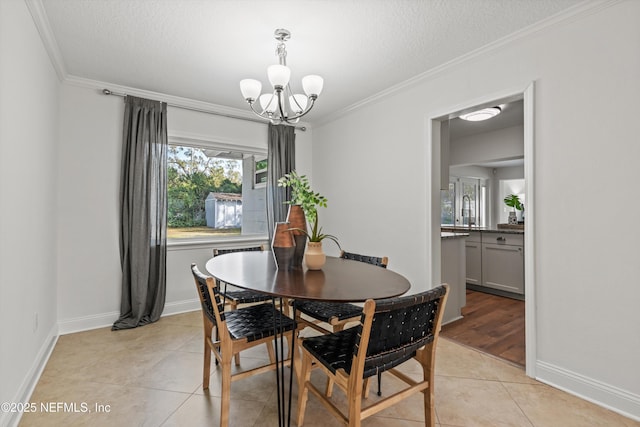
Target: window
{"points": [[469, 202], [211, 193], [448, 205], [260, 172], [464, 201]]}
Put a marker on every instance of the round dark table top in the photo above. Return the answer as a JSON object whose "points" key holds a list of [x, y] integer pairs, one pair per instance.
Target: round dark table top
{"points": [[340, 280]]}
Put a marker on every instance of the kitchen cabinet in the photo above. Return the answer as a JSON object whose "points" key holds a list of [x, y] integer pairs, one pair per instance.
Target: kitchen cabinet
{"points": [[503, 262], [473, 247], [494, 260]]}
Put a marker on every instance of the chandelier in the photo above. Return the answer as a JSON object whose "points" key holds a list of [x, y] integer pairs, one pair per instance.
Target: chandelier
{"points": [[282, 105]]}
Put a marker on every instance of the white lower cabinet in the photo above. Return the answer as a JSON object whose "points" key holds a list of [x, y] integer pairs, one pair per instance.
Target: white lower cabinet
{"points": [[473, 246], [503, 262]]}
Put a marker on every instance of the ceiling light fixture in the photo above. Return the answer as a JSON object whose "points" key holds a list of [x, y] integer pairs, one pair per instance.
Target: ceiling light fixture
{"points": [[282, 105], [484, 114]]}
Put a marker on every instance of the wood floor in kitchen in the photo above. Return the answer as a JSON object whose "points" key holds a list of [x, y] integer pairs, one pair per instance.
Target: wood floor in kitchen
{"points": [[492, 324]]}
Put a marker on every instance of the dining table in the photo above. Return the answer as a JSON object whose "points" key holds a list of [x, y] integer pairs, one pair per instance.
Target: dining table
{"points": [[339, 280]]}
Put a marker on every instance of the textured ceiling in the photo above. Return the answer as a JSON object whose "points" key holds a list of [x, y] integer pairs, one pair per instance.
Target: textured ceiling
{"points": [[200, 49]]}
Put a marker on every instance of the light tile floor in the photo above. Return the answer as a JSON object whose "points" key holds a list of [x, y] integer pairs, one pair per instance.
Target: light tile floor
{"points": [[152, 376]]}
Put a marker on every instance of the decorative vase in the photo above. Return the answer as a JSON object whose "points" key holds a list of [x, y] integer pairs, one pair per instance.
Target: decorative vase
{"points": [[314, 258], [296, 219], [283, 246], [513, 218]]}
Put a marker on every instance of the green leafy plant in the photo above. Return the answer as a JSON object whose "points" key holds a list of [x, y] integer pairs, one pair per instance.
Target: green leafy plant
{"points": [[303, 195], [513, 201]]}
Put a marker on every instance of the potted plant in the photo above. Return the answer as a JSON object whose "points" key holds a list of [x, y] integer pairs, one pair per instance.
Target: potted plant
{"points": [[303, 196], [513, 201]]}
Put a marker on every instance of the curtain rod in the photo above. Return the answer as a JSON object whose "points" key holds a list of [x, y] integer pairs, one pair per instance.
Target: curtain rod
{"points": [[200, 110]]}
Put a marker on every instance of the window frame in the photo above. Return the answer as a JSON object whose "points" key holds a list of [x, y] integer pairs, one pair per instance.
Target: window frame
{"points": [[206, 143], [257, 171], [480, 202]]}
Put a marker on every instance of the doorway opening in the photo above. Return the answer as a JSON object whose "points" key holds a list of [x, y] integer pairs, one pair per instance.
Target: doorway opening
{"points": [[488, 159]]}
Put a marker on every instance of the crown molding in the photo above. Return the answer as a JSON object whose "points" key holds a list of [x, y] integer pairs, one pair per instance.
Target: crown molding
{"points": [[568, 15], [41, 21]]}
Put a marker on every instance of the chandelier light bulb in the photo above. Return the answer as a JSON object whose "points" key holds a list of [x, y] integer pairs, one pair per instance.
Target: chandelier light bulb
{"points": [[312, 85], [298, 103], [279, 75], [269, 102], [250, 89]]}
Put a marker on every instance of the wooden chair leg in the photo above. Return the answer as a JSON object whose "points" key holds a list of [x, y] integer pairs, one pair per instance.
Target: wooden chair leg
{"points": [[290, 344], [366, 387], [329, 390], [354, 400], [425, 357], [206, 369], [303, 391], [226, 392], [294, 352], [272, 354]]}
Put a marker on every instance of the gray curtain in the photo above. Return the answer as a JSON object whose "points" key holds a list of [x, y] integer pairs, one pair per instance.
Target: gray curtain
{"points": [[281, 159], [143, 218]]}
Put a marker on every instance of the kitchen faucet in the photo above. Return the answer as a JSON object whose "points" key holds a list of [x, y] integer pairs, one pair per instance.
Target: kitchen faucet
{"points": [[468, 211]]}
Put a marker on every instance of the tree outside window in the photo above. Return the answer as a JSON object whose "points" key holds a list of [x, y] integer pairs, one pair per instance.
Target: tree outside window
{"points": [[205, 192]]}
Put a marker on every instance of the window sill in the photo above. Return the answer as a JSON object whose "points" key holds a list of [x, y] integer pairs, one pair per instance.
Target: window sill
{"points": [[227, 242]]}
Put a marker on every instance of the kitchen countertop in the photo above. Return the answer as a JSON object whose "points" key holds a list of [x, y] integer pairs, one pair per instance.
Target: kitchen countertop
{"points": [[450, 235], [455, 229]]}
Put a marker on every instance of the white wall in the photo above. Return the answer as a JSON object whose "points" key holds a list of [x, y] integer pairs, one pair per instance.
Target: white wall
{"points": [[587, 271], [501, 144], [90, 149], [29, 91]]}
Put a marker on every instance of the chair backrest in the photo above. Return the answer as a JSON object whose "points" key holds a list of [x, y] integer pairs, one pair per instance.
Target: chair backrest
{"points": [[379, 261], [209, 294], [398, 327], [217, 251]]}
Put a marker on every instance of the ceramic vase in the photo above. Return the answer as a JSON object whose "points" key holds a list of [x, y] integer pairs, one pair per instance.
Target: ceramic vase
{"points": [[283, 246], [296, 219], [314, 258]]}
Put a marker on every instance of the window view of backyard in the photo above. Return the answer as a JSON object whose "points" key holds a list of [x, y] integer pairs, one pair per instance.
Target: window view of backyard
{"points": [[205, 192], [463, 200], [448, 205]]}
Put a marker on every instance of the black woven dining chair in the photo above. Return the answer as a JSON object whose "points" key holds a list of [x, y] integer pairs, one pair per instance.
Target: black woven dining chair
{"points": [[390, 332], [337, 315], [237, 330], [234, 296]]}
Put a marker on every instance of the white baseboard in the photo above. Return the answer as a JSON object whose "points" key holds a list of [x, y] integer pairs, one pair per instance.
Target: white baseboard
{"points": [[605, 395], [184, 306], [10, 419], [102, 320], [85, 323], [68, 326]]}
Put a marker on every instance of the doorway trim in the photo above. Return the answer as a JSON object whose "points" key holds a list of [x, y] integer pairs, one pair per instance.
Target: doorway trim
{"points": [[433, 178]]}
